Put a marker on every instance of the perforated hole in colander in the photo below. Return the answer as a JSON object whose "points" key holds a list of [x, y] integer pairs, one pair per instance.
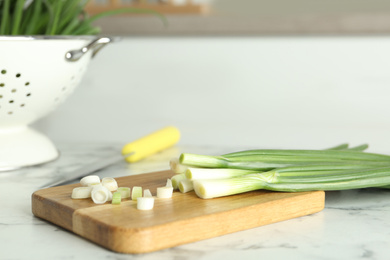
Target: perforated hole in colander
{"points": [[14, 91], [67, 89]]}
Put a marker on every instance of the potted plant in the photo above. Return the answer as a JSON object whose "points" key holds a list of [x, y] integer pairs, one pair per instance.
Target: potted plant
{"points": [[45, 48]]}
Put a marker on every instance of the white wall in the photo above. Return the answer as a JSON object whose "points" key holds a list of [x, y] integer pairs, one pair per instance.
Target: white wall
{"points": [[254, 92]]}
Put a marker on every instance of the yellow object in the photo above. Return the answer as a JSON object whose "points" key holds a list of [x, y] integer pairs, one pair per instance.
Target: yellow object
{"points": [[151, 144]]}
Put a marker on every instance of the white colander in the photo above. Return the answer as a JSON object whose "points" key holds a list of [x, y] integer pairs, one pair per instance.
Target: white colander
{"points": [[36, 75]]}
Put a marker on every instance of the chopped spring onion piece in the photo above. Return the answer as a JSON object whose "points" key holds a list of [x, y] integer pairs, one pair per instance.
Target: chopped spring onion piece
{"points": [[186, 186], [89, 179], [147, 193], [165, 192], [81, 192], [110, 183], [93, 185], [116, 198], [136, 192], [176, 179], [145, 203], [124, 191], [100, 195], [176, 166], [215, 173]]}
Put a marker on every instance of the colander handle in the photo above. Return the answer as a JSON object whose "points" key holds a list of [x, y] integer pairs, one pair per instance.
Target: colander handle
{"points": [[94, 46]]}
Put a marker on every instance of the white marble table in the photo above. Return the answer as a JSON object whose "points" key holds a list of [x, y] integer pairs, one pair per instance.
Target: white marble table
{"points": [[354, 224]]}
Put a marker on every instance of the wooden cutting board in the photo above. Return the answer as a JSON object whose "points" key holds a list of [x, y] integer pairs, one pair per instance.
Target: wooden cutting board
{"points": [[182, 219]]}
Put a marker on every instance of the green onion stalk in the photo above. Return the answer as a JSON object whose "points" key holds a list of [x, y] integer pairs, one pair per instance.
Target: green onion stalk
{"points": [[264, 160], [336, 168], [276, 181]]}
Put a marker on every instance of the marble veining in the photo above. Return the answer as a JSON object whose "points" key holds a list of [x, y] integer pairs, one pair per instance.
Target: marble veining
{"points": [[354, 224]]}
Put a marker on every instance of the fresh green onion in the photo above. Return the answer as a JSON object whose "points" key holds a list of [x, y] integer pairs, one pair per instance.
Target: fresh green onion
{"points": [[337, 168], [339, 147], [346, 147], [4, 28], [269, 159], [327, 154], [268, 181], [216, 173], [266, 162], [57, 8], [55, 17], [36, 6], [359, 147], [17, 18]]}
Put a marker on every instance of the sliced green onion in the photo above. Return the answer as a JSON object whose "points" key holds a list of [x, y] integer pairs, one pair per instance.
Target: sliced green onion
{"points": [[81, 192], [100, 195], [116, 198], [136, 192], [93, 185], [89, 180], [165, 192], [124, 191], [147, 193], [145, 203], [110, 183]]}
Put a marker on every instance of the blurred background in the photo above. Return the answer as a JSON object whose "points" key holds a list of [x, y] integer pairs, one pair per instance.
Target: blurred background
{"points": [[249, 73]]}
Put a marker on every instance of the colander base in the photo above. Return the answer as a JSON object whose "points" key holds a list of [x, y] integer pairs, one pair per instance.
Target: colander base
{"points": [[22, 147]]}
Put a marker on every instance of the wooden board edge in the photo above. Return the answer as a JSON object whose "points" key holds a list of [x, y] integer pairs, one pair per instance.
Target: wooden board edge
{"points": [[47, 209], [150, 239]]}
